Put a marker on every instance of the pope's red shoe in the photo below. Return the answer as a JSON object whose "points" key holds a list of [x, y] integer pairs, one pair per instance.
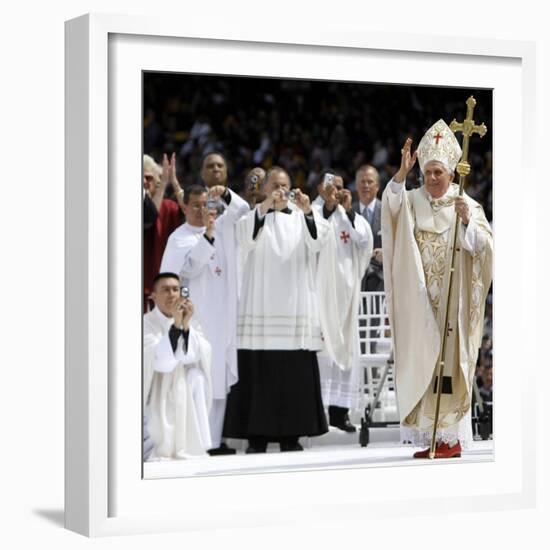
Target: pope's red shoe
{"points": [[422, 454], [442, 450]]}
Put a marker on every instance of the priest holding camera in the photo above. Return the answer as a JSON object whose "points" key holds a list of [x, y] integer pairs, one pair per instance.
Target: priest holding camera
{"points": [[278, 395]]}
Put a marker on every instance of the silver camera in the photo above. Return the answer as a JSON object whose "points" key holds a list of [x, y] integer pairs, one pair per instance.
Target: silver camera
{"points": [[328, 180], [254, 180], [214, 204], [184, 292], [290, 195]]}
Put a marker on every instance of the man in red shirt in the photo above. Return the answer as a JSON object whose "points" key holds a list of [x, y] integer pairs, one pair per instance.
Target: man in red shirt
{"points": [[161, 216]]}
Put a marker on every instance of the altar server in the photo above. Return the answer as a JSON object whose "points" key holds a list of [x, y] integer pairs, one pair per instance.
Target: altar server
{"points": [[202, 251], [177, 389], [340, 370]]}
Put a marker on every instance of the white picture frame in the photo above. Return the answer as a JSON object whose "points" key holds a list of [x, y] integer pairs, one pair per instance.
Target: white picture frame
{"points": [[104, 491]]}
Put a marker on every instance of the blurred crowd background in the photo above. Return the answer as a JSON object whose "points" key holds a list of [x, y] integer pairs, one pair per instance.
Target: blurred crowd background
{"points": [[306, 127]]}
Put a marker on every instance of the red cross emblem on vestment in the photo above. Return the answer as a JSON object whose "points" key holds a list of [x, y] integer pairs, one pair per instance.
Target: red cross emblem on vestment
{"points": [[344, 236], [218, 271], [437, 137]]}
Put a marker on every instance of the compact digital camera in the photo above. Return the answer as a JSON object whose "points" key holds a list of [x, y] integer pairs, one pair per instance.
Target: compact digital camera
{"points": [[328, 180], [184, 292], [214, 204], [290, 195]]}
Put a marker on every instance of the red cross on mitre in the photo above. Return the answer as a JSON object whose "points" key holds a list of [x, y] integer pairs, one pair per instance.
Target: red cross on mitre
{"points": [[437, 137], [344, 236], [218, 271]]}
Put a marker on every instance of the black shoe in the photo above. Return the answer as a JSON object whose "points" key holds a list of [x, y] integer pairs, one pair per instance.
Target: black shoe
{"points": [[338, 417], [257, 444], [255, 450], [287, 446], [223, 449], [345, 426]]}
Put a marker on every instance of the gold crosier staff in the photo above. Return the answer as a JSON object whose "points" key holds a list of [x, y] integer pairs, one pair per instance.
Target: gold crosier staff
{"points": [[468, 127]]}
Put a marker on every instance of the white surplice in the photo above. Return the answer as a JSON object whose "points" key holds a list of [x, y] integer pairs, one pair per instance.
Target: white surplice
{"points": [[417, 234], [339, 302], [210, 273], [278, 307], [177, 389]]}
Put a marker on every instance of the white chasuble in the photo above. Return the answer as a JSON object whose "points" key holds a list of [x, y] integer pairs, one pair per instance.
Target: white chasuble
{"points": [[278, 307], [210, 273], [177, 390], [417, 236], [338, 298]]}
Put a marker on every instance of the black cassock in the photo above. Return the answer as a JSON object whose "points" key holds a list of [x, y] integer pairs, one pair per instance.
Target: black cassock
{"points": [[278, 395]]}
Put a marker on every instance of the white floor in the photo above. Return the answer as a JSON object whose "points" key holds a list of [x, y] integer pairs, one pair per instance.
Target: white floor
{"points": [[333, 450]]}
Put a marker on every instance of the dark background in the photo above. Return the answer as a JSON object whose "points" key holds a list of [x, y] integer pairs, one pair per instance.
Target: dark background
{"points": [[304, 126]]}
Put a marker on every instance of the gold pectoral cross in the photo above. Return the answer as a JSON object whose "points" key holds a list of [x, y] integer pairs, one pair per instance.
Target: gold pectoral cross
{"points": [[468, 128]]}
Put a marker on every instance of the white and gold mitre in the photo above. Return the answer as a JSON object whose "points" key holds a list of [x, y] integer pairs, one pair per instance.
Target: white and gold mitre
{"points": [[439, 143]]}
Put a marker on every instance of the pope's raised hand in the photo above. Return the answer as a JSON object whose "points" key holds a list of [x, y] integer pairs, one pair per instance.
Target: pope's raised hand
{"points": [[407, 161]]}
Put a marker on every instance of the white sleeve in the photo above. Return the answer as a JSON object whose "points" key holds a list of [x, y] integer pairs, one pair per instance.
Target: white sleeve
{"points": [[322, 228], [472, 237], [193, 353], [395, 196], [244, 230], [164, 359], [237, 208], [187, 257], [360, 231]]}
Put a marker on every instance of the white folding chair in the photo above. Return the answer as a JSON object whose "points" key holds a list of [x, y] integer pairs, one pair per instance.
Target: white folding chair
{"points": [[376, 359]]}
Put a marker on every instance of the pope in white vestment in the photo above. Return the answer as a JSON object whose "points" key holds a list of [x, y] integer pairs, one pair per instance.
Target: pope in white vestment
{"points": [[277, 397], [202, 251], [177, 392], [417, 234], [339, 301]]}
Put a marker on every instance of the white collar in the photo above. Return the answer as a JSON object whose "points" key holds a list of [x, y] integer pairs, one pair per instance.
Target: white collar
{"points": [[451, 192], [318, 201], [369, 206], [194, 229], [165, 321]]}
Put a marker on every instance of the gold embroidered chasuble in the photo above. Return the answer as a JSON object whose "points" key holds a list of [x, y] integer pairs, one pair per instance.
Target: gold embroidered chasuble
{"points": [[417, 237]]}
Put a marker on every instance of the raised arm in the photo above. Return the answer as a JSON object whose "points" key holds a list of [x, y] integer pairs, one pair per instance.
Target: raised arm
{"points": [[396, 187], [169, 177]]}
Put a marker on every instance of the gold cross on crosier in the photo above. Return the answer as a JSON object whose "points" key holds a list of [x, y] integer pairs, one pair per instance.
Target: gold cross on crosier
{"points": [[468, 128]]}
